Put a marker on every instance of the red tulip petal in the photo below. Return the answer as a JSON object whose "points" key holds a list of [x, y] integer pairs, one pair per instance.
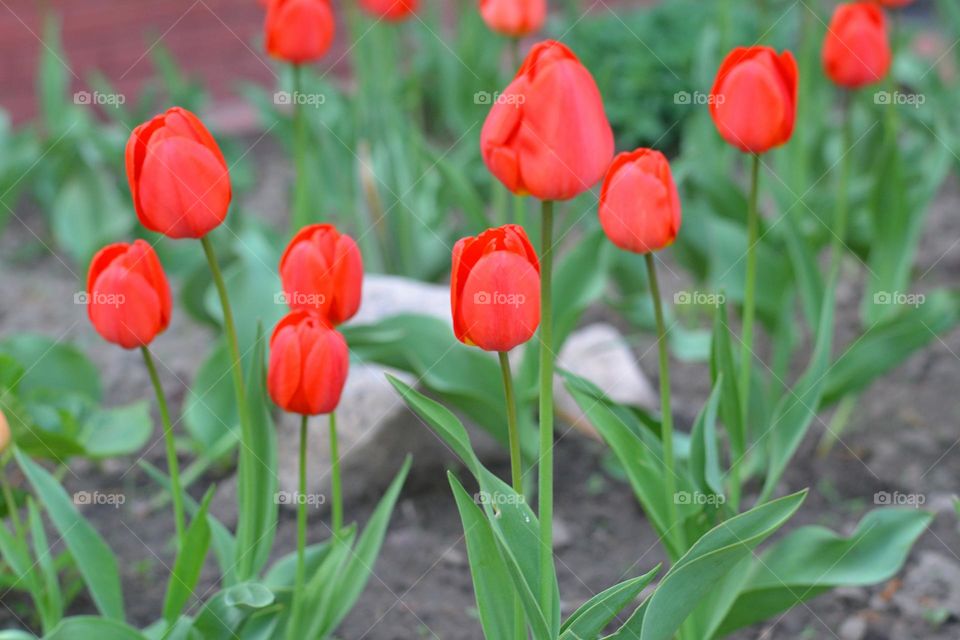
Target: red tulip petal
{"points": [[500, 302]]}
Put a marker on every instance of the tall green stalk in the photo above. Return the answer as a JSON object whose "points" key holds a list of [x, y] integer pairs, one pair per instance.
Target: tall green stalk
{"points": [[840, 217], [301, 214], [749, 294], [176, 490], [302, 508], [675, 528], [336, 509], [545, 510], [516, 467]]}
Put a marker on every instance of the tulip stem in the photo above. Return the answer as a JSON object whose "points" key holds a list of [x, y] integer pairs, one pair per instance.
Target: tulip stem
{"points": [[302, 507], [675, 527], [749, 294], [12, 509], [516, 467], [335, 484], [300, 216], [840, 221], [545, 509], [176, 491]]}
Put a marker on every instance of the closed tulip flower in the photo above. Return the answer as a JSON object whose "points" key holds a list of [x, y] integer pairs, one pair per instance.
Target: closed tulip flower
{"points": [[754, 99], [128, 295], [321, 270], [639, 204], [308, 367], [178, 177], [547, 134], [393, 10], [299, 31], [4, 433], [515, 18], [495, 289], [856, 51]]}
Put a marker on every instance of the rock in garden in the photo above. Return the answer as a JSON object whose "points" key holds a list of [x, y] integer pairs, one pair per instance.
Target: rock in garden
{"points": [[931, 587]]}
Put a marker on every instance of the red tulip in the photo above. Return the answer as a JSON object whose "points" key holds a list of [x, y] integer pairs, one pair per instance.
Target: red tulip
{"points": [[393, 10], [639, 204], [308, 368], [547, 134], [495, 289], [893, 4], [856, 51], [321, 270], [299, 30], [4, 433], [128, 296], [178, 177], [754, 99], [515, 18]]}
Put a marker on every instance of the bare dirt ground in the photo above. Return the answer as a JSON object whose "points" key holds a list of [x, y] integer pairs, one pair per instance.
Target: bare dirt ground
{"points": [[904, 437]]}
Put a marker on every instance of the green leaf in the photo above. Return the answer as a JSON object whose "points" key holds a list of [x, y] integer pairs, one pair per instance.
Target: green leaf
{"points": [[90, 627], [590, 619], [703, 566], [53, 82], [250, 595], [117, 432], [359, 566], [722, 365], [257, 475], [87, 214], [492, 583], [210, 408], [52, 366], [813, 559], [704, 450], [51, 595], [189, 562], [93, 557], [219, 620]]}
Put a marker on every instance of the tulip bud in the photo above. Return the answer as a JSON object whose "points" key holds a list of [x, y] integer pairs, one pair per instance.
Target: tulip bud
{"points": [[754, 99], [299, 31], [128, 295], [495, 289], [547, 134], [4, 433], [178, 177], [639, 204], [321, 270], [308, 368], [514, 18], [392, 10], [856, 51]]}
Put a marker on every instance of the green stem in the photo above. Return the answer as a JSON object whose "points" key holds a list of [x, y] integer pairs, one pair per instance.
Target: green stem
{"points": [[176, 490], [545, 511], [516, 466], [336, 508], [749, 293], [302, 508], [675, 528], [840, 218], [301, 216]]}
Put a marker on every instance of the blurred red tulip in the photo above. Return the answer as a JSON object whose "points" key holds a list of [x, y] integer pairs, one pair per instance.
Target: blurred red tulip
{"points": [[515, 18], [754, 98], [178, 177], [856, 51], [547, 134], [393, 10], [322, 270], [639, 203], [893, 4], [4, 433], [128, 296], [299, 31], [495, 289], [308, 368]]}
